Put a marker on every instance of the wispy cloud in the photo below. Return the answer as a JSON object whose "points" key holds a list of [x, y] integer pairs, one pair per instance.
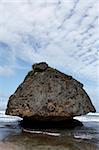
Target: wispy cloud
{"points": [[64, 33]]}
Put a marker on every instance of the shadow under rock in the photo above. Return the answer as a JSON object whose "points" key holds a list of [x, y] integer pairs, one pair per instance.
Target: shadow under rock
{"points": [[27, 123]]}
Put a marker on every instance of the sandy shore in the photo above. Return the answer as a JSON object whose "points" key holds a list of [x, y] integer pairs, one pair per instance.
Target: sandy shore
{"points": [[26, 141], [12, 137]]}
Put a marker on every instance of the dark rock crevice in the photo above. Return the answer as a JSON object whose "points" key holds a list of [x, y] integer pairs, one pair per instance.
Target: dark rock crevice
{"points": [[29, 124]]}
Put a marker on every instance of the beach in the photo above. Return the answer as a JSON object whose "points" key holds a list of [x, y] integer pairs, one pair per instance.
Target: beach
{"points": [[12, 136]]}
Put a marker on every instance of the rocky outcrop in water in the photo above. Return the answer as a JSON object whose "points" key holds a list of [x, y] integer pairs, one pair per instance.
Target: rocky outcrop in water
{"points": [[48, 94]]}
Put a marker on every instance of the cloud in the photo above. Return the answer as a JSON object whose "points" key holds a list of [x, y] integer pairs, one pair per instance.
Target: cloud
{"points": [[64, 33], [92, 91], [5, 71], [46, 30]]}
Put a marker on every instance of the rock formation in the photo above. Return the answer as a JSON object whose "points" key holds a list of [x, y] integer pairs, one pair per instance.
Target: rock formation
{"points": [[47, 94]]}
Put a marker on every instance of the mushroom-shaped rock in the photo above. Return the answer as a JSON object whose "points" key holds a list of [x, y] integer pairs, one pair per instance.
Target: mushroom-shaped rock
{"points": [[48, 94]]}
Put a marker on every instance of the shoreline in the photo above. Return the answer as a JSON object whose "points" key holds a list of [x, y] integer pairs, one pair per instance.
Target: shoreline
{"points": [[26, 141], [81, 138]]}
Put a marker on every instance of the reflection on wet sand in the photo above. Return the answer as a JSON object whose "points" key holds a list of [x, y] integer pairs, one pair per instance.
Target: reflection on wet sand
{"points": [[13, 137], [44, 141]]}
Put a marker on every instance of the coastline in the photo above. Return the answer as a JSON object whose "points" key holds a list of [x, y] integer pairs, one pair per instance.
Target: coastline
{"points": [[12, 136]]}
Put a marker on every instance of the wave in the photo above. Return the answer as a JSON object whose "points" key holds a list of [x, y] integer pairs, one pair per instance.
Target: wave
{"points": [[91, 117], [7, 118]]}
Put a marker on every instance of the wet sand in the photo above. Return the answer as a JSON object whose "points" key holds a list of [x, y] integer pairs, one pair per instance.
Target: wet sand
{"points": [[82, 138], [39, 142], [12, 137]]}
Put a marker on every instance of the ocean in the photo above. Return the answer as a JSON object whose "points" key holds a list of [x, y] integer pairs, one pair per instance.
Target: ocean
{"points": [[86, 137]]}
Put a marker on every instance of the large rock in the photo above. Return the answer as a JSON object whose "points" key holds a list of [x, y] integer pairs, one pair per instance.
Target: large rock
{"points": [[48, 94]]}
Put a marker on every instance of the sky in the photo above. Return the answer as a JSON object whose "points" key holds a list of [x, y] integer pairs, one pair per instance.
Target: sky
{"points": [[63, 33]]}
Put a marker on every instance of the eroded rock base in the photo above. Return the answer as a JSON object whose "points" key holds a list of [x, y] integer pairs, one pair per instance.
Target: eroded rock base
{"points": [[69, 124]]}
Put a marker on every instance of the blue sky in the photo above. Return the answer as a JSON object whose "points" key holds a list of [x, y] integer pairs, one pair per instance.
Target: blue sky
{"points": [[64, 33]]}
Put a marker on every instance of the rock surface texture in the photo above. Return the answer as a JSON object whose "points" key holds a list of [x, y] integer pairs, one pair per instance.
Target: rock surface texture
{"points": [[48, 94]]}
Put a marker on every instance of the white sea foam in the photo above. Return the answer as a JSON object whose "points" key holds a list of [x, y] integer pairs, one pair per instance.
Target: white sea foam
{"points": [[7, 118], [42, 132], [91, 117], [83, 136]]}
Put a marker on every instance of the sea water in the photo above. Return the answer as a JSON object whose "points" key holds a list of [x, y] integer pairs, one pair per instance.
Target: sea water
{"points": [[86, 137]]}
